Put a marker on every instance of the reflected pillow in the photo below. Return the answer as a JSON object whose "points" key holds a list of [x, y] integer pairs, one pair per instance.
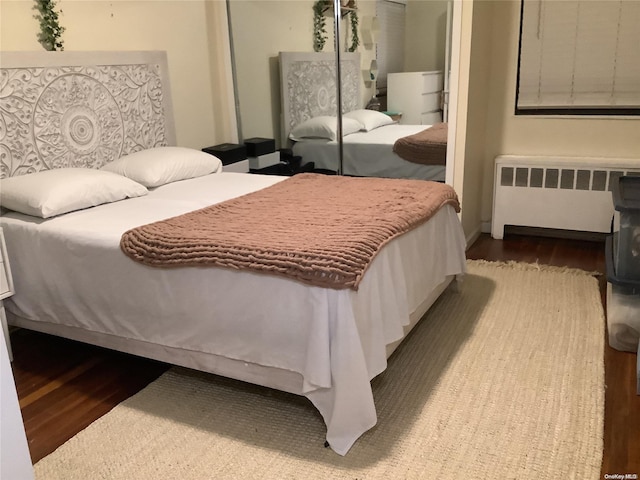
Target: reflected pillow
{"points": [[161, 165], [324, 127], [369, 119], [53, 192]]}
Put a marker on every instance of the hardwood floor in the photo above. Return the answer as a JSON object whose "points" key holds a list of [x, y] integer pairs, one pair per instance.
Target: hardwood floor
{"points": [[63, 385]]}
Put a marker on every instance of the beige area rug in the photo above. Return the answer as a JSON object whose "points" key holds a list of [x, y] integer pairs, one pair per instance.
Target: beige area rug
{"points": [[503, 379]]}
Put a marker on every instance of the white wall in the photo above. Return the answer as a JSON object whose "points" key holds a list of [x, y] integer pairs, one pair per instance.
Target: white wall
{"points": [[426, 26], [179, 27], [460, 67], [477, 107], [262, 29]]}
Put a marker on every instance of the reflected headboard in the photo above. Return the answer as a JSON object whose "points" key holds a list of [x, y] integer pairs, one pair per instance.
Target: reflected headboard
{"points": [[308, 86], [81, 109]]}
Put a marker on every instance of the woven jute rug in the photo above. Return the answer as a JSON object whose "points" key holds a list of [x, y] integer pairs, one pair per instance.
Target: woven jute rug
{"points": [[502, 379]]}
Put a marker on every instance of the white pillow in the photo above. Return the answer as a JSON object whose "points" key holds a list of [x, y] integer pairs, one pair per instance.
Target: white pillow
{"points": [[370, 119], [157, 166], [324, 127], [61, 190]]}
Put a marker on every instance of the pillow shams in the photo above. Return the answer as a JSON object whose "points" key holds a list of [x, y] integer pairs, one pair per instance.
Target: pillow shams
{"points": [[324, 127], [157, 166], [53, 192], [370, 119]]}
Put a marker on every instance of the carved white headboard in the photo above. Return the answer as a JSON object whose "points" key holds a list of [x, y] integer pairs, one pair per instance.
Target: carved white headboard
{"points": [[308, 86], [71, 109]]}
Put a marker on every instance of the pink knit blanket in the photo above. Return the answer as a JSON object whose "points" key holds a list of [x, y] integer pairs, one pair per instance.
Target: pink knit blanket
{"points": [[428, 147], [318, 229]]}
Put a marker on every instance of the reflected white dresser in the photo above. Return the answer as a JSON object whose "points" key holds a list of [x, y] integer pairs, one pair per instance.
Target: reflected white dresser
{"points": [[6, 289], [417, 95]]}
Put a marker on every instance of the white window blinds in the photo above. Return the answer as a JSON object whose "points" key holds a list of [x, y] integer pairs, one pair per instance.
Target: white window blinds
{"points": [[390, 46], [580, 54]]}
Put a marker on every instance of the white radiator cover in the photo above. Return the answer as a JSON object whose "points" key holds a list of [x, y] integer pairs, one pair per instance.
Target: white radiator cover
{"points": [[569, 193]]}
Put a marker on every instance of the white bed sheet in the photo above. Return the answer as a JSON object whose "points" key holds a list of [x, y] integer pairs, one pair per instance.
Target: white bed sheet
{"points": [[69, 271], [369, 154]]}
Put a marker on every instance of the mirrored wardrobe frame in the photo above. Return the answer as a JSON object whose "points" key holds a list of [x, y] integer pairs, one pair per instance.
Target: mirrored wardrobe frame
{"points": [[454, 43]]}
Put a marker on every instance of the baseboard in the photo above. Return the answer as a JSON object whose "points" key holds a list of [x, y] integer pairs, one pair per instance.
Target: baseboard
{"points": [[473, 236], [555, 233]]}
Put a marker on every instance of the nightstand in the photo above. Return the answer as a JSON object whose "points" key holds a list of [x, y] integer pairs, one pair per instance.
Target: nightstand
{"points": [[232, 155], [6, 289]]}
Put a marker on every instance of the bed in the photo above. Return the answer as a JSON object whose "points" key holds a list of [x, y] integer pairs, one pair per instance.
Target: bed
{"points": [[309, 99], [72, 278]]}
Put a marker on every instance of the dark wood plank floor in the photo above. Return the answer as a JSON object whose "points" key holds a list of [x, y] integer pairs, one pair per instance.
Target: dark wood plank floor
{"points": [[63, 385]]}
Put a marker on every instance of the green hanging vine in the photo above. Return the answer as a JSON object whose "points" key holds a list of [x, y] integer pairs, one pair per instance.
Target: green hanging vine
{"points": [[50, 36], [319, 24], [353, 17]]}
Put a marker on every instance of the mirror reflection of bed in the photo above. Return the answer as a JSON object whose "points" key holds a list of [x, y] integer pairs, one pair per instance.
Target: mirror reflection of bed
{"points": [[290, 25], [374, 144]]}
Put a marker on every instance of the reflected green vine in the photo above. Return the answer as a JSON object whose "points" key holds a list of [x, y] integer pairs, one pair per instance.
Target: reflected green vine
{"points": [[353, 17], [319, 24]]}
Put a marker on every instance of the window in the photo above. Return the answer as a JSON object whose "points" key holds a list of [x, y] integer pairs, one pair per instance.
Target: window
{"points": [[579, 57]]}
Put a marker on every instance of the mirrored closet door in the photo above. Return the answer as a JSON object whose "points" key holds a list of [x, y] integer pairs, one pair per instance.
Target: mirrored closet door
{"points": [[268, 97]]}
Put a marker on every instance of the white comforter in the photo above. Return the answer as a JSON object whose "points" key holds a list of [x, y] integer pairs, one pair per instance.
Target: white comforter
{"points": [[69, 270]]}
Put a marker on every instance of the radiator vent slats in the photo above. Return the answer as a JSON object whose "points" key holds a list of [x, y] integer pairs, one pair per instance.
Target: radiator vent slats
{"points": [[583, 180], [536, 177], [613, 178], [599, 180], [506, 177], [558, 193], [564, 178]]}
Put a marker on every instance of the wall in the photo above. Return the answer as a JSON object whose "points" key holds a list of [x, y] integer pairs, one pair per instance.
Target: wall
{"points": [[510, 134], [179, 27], [260, 30], [477, 109], [460, 78], [426, 27]]}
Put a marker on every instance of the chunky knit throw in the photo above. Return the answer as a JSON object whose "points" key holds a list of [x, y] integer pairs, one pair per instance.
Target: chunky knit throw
{"points": [[428, 147], [318, 229]]}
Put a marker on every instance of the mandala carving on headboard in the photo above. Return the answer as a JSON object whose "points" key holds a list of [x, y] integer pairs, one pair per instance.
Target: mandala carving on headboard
{"points": [[78, 116], [309, 85]]}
